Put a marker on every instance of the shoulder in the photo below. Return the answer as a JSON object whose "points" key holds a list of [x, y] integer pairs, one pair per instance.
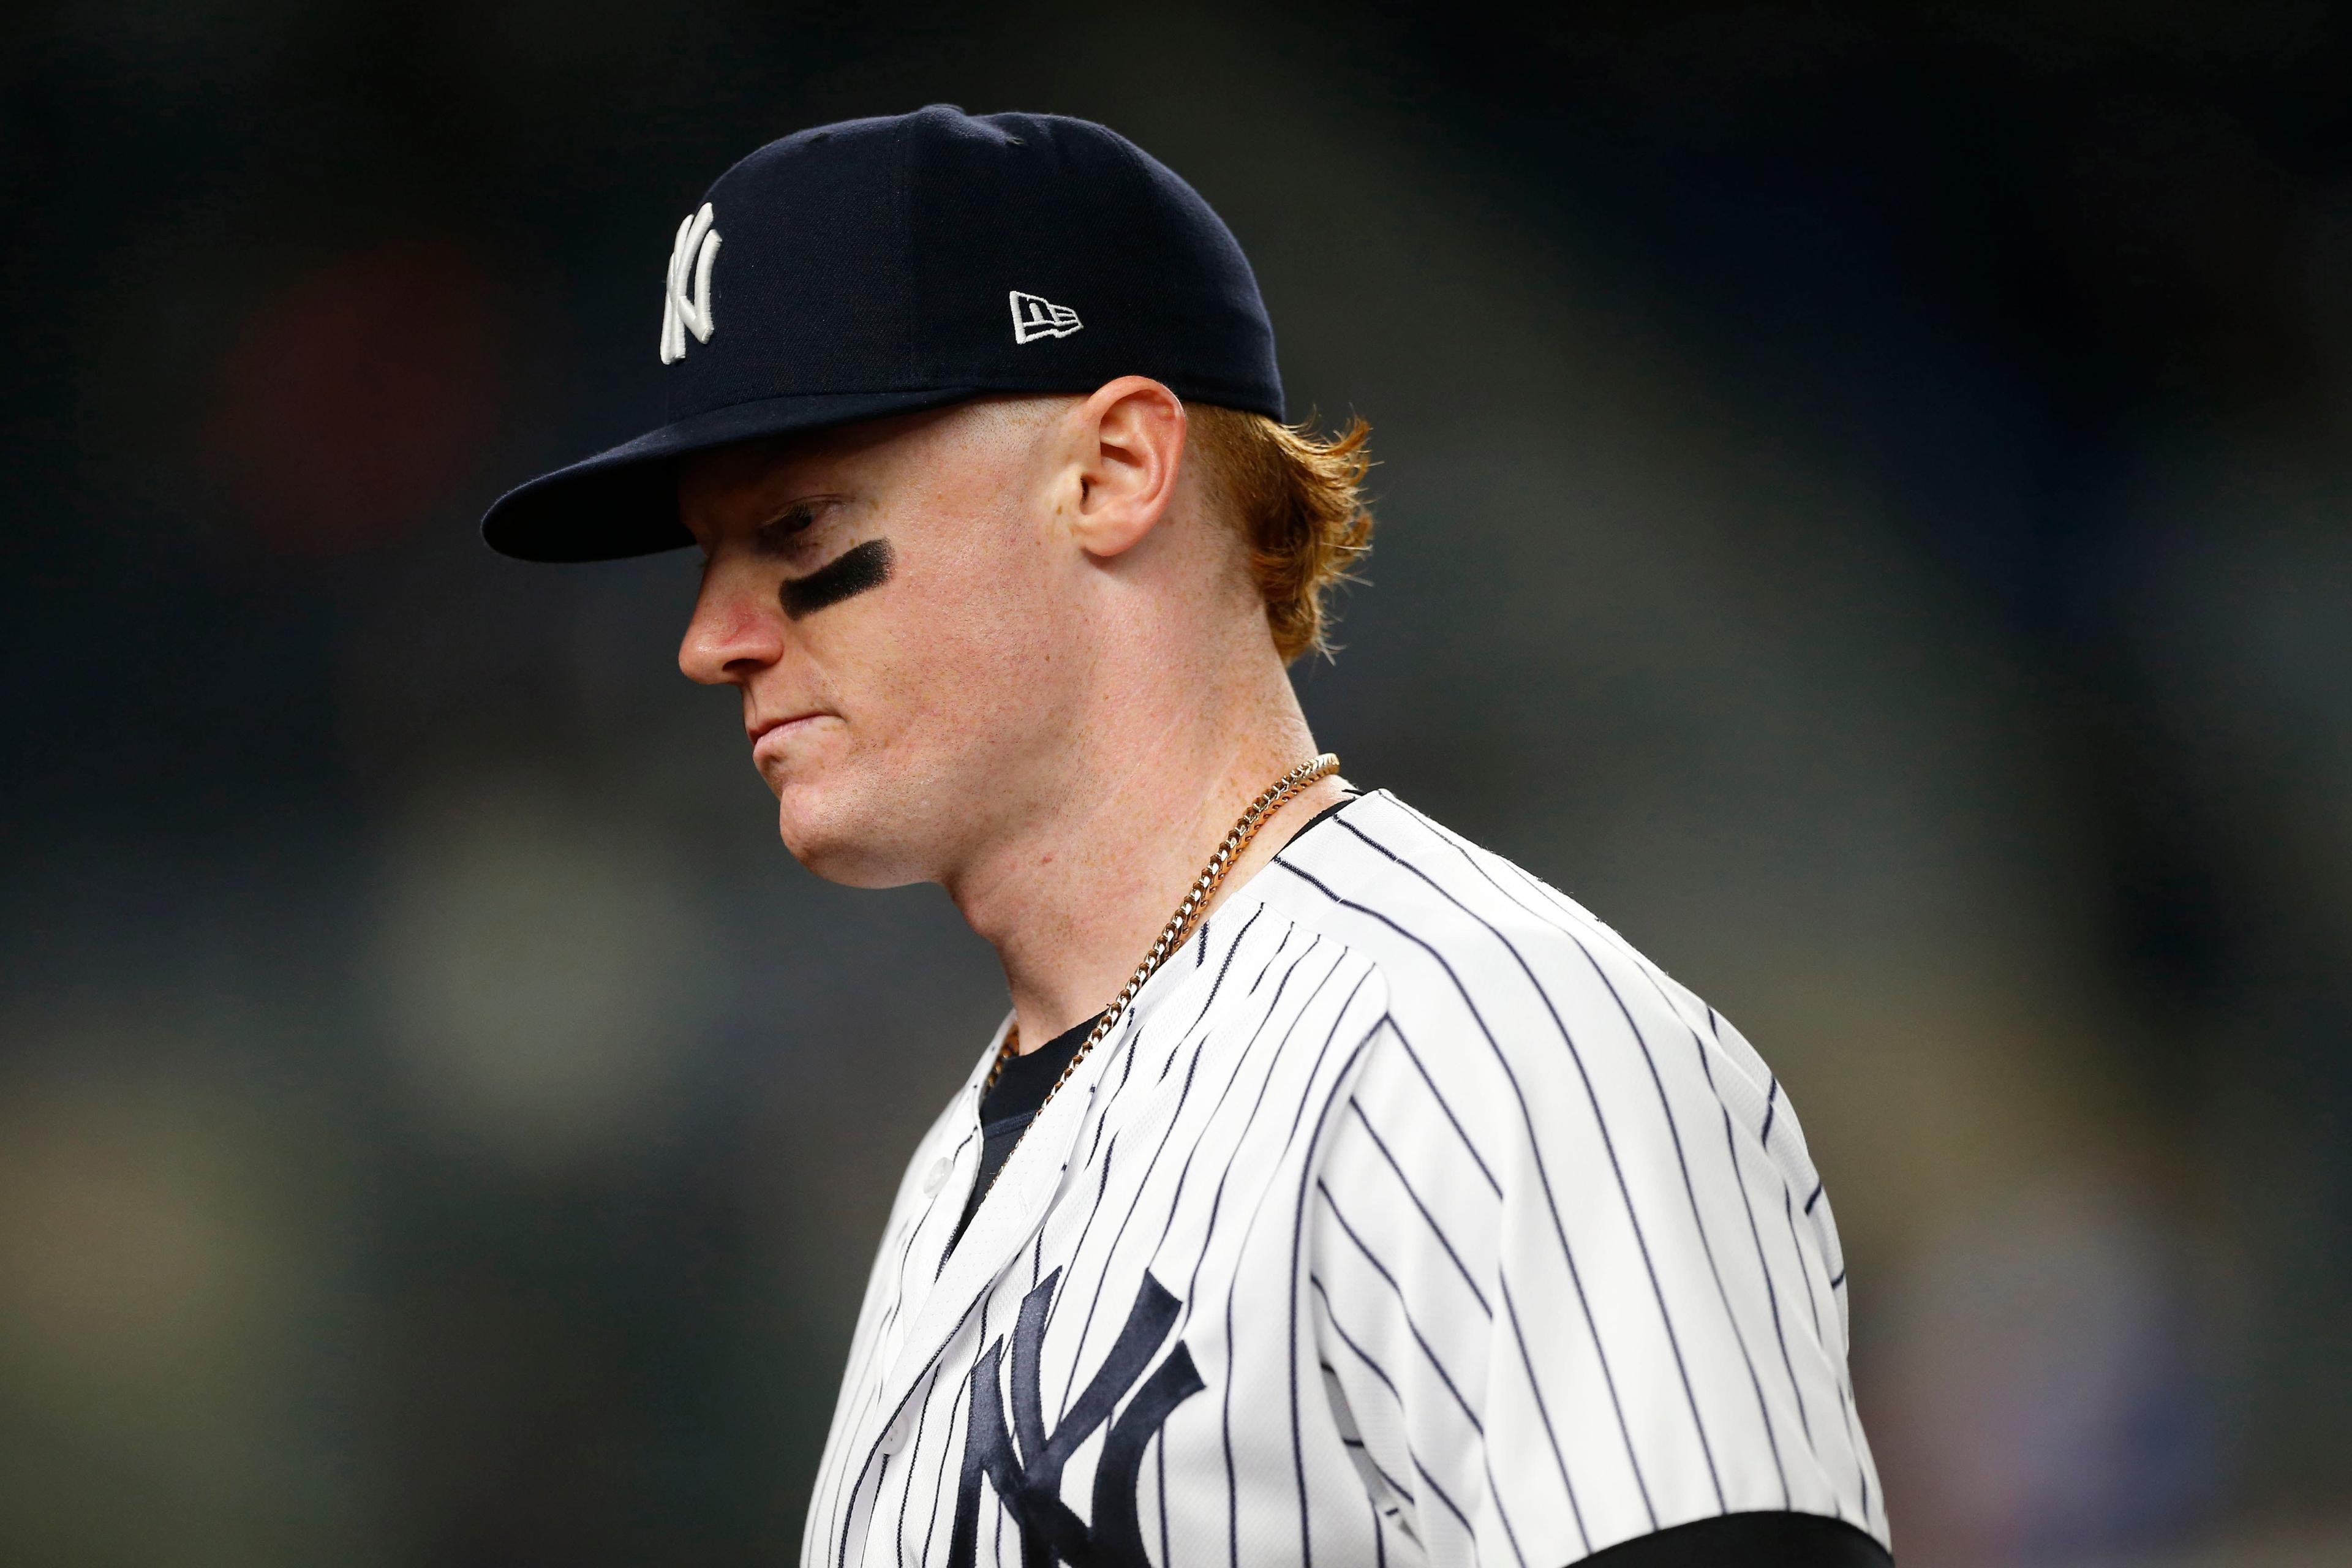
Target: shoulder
{"points": [[1511, 1002], [1550, 1119], [1468, 940]]}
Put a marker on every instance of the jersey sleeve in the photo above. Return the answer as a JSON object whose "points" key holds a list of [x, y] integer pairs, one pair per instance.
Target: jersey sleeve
{"points": [[1572, 1283]]}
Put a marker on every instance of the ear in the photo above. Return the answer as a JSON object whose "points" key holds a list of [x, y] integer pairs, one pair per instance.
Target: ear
{"points": [[1130, 439]]}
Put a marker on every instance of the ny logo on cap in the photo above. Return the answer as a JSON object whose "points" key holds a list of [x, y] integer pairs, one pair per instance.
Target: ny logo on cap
{"points": [[697, 248], [1034, 316]]}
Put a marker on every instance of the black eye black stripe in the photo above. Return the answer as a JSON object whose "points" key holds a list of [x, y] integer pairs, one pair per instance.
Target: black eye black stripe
{"points": [[848, 574]]}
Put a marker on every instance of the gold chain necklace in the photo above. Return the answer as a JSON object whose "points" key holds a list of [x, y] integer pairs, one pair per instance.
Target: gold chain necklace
{"points": [[1180, 924]]}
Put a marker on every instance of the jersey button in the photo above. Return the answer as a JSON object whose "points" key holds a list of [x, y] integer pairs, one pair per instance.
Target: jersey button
{"points": [[936, 1178]]}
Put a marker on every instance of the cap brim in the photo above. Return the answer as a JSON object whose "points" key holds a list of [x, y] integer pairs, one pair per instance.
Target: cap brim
{"points": [[624, 501]]}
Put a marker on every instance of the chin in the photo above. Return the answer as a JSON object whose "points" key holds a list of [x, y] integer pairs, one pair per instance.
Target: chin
{"points": [[842, 843]]}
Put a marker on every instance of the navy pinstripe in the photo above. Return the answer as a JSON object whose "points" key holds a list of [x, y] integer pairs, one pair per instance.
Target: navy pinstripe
{"points": [[1441, 1251]]}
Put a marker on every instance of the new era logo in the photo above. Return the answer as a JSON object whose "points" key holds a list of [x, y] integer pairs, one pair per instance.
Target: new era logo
{"points": [[1034, 316]]}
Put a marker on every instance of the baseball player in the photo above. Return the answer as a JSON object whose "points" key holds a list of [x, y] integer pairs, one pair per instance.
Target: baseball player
{"points": [[1335, 1191]]}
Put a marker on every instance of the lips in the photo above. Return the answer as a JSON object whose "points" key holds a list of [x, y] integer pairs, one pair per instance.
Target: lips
{"points": [[761, 729], [770, 735]]}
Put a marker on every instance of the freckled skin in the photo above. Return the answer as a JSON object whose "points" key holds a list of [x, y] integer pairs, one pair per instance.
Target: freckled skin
{"points": [[1054, 702], [940, 674]]}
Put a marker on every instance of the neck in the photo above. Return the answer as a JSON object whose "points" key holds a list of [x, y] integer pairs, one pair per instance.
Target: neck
{"points": [[1073, 895]]}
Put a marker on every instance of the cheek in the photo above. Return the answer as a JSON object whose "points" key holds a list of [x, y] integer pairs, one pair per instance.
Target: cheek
{"points": [[974, 650]]}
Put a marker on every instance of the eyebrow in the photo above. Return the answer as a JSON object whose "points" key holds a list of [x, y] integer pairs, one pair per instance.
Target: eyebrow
{"points": [[847, 575]]}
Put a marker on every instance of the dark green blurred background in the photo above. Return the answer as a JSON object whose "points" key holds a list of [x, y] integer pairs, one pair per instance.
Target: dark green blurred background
{"points": [[1864, 508]]}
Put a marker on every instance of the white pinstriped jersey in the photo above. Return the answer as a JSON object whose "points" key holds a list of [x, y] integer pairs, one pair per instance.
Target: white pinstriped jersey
{"points": [[1410, 1215]]}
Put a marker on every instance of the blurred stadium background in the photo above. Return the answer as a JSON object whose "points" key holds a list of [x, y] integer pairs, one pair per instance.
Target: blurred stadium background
{"points": [[1864, 508]]}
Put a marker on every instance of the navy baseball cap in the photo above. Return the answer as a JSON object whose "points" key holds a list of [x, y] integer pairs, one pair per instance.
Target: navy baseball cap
{"points": [[879, 267]]}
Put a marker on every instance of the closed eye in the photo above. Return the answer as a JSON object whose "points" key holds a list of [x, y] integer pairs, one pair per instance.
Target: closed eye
{"points": [[780, 533]]}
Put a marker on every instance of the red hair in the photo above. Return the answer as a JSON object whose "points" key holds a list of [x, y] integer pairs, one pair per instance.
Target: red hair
{"points": [[1297, 501]]}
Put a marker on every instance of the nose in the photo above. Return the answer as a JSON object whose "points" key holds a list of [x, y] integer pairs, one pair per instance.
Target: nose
{"points": [[733, 633]]}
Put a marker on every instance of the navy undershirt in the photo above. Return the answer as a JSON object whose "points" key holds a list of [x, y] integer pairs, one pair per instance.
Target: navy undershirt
{"points": [[1012, 1101]]}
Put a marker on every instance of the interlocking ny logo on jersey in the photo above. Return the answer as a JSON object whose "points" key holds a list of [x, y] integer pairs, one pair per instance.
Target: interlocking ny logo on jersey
{"points": [[1034, 316], [1024, 1465], [695, 248]]}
